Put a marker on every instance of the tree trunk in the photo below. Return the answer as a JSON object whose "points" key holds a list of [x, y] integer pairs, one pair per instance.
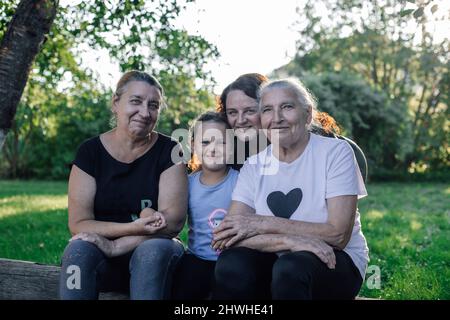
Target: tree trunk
{"points": [[18, 48]]}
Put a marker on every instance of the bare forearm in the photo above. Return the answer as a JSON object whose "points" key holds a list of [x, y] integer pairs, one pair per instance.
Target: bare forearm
{"points": [[323, 231], [173, 228], [110, 230], [175, 222], [265, 243], [126, 244]]}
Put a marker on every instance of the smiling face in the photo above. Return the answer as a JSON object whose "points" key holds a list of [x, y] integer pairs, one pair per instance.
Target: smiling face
{"points": [[137, 109], [283, 116], [242, 115], [210, 145]]}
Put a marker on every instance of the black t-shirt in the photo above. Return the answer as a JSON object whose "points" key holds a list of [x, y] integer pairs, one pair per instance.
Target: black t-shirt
{"points": [[124, 189]]}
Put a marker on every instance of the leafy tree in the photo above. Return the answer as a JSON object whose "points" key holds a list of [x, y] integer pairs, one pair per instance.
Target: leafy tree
{"points": [[18, 48], [63, 104], [365, 115], [390, 46]]}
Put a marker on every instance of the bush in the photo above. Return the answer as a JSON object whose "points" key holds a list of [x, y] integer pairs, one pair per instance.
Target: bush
{"points": [[379, 126]]}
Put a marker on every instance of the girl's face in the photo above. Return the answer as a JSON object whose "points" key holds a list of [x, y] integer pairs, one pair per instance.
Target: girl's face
{"points": [[242, 115], [283, 116], [137, 110], [210, 145]]}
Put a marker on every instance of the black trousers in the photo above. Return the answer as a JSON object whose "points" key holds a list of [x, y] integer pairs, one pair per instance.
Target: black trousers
{"points": [[243, 273], [193, 278]]}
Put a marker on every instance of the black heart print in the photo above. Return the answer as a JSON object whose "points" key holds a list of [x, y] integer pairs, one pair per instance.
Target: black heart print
{"points": [[283, 205]]}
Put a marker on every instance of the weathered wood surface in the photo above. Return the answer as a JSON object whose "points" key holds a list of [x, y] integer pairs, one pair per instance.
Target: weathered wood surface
{"points": [[24, 280]]}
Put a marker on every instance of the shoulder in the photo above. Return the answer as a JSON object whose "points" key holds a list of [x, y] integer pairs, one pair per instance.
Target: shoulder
{"points": [[260, 157], [257, 160], [329, 145], [90, 142], [87, 155], [165, 140], [193, 176], [233, 174], [89, 147], [167, 144], [193, 180]]}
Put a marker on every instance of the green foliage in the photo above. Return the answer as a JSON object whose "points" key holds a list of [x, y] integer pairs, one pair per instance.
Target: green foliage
{"points": [[389, 46], [366, 116], [63, 104]]}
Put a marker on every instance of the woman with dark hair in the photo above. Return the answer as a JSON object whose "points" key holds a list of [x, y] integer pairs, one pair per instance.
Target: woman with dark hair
{"points": [[238, 102], [293, 230], [127, 202]]}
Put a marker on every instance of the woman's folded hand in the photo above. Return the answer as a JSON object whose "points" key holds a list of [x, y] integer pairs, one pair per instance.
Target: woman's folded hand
{"points": [[235, 228], [149, 222], [104, 244], [319, 247]]}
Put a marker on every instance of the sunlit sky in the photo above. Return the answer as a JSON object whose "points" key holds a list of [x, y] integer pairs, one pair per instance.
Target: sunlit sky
{"points": [[251, 35]]}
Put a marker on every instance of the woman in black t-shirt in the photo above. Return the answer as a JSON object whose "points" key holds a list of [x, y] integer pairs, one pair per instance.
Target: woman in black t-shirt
{"points": [[127, 201]]}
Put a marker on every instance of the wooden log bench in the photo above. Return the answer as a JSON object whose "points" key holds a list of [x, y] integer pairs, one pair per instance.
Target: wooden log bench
{"points": [[24, 280]]}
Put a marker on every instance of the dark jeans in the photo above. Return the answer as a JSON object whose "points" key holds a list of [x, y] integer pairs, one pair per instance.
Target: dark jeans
{"points": [[193, 278], [243, 273], [146, 273]]}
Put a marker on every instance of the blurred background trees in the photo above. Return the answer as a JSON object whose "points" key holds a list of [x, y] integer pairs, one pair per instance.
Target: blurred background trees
{"points": [[64, 103], [376, 66], [378, 69]]}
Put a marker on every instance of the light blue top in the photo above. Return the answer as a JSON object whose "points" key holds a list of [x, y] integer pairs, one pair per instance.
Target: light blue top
{"points": [[207, 207]]}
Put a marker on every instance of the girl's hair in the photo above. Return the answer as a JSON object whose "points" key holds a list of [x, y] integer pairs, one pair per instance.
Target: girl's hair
{"points": [[210, 116], [250, 83], [322, 122], [135, 75]]}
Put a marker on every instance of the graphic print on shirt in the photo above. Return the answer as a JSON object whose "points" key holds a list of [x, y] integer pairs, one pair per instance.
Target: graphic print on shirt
{"points": [[145, 203], [284, 205], [214, 219]]}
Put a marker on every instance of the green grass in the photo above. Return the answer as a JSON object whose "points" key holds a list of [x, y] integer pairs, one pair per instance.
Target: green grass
{"points": [[407, 227]]}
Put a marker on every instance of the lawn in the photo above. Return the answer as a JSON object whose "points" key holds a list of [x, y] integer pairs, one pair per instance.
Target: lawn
{"points": [[407, 227]]}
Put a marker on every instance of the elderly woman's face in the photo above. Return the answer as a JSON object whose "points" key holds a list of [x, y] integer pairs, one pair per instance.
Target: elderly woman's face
{"points": [[283, 116], [242, 115], [137, 110]]}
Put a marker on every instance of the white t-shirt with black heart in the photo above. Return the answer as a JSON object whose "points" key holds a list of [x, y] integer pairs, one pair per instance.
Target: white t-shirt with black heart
{"points": [[298, 190]]}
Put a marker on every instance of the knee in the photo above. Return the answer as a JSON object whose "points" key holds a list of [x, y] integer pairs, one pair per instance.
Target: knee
{"points": [[80, 251], [155, 251], [231, 268], [81, 255], [291, 268]]}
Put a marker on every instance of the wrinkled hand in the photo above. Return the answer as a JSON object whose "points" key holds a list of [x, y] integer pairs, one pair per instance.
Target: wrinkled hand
{"points": [[149, 223], [235, 228], [104, 244], [319, 247]]}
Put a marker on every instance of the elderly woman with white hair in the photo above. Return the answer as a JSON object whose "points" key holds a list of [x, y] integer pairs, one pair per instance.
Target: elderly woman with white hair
{"points": [[293, 229]]}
